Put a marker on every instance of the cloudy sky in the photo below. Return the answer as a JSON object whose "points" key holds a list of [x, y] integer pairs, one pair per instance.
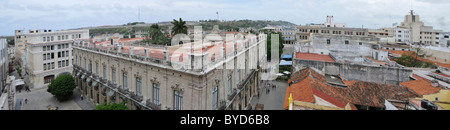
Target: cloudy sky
{"points": [[67, 14]]}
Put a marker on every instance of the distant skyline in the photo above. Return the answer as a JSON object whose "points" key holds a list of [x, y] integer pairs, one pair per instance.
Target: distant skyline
{"points": [[69, 14]]}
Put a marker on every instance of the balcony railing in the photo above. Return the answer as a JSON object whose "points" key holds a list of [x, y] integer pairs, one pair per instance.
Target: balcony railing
{"points": [[153, 105]]}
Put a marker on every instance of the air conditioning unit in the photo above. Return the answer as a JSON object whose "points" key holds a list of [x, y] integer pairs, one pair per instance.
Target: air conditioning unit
{"points": [[428, 105]]}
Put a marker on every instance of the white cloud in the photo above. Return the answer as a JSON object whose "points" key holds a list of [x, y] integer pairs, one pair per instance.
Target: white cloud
{"points": [[65, 14]]}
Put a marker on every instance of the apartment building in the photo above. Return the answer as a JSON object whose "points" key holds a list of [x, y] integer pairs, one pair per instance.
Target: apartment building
{"points": [[288, 36], [49, 54], [329, 28], [421, 34], [209, 74], [398, 34]]}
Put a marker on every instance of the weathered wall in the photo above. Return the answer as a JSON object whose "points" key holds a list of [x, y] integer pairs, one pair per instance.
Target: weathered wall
{"points": [[361, 46], [385, 75]]}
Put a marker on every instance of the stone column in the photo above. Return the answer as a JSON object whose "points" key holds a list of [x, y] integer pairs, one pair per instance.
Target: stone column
{"points": [[108, 47], [222, 52], [146, 52], [166, 55], [131, 51]]}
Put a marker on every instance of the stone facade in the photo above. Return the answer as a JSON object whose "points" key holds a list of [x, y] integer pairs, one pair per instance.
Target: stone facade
{"points": [[326, 44], [149, 82], [49, 54], [348, 71]]}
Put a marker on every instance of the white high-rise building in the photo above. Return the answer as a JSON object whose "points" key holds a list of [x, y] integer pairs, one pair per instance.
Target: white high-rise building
{"points": [[421, 34], [49, 54]]}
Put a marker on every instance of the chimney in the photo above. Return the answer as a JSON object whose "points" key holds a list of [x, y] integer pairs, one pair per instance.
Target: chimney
{"points": [[222, 52], [146, 52], [435, 83], [131, 50], [119, 49], [108, 47], [166, 55]]}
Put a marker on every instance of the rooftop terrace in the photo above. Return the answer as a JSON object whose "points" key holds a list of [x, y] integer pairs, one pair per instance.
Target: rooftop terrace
{"points": [[199, 56]]}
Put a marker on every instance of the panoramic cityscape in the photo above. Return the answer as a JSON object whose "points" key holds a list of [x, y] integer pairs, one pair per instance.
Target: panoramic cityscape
{"points": [[225, 55]]}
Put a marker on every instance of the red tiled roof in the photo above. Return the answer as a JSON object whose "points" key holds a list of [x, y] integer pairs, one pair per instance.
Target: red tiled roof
{"points": [[357, 92], [329, 98], [315, 57], [418, 58], [305, 91], [442, 74], [421, 87], [306, 72], [300, 91], [348, 83]]}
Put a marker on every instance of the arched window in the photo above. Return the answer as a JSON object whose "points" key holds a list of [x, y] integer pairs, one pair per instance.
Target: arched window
{"points": [[49, 79], [177, 100], [156, 94]]}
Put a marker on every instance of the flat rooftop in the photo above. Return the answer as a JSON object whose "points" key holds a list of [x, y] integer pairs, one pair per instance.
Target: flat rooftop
{"points": [[314, 57]]}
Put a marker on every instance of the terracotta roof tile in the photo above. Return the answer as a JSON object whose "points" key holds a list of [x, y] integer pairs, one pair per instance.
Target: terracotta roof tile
{"points": [[315, 57], [357, 92], [421, 87], [306, 72], [329, 98]]}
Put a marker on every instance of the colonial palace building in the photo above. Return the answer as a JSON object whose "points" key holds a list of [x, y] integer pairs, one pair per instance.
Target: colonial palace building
{"points": [[208, 74]]}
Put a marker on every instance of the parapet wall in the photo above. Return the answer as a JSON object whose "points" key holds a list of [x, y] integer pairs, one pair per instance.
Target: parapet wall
{"points": [[383, 75]]}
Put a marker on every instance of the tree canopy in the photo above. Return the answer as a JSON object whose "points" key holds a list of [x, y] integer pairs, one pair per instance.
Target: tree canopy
{"points": [[269, 41], [155, 36], [179, 27], [62, 87], [412, 61], [111, 106]]}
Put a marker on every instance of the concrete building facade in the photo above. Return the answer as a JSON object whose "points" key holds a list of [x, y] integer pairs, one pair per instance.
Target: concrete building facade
{"points": [[288, 36], [326, 44], [49, 54], [214, 75], [421, 34], [4, 62], [305, 32]]}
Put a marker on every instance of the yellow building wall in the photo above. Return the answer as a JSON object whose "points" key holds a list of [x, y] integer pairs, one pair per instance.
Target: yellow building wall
{"points": [[443, 98]]}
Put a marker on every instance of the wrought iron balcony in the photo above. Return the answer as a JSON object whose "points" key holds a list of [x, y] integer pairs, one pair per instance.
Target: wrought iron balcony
{"points": [[222, 105], [233, 93], [152, 105]]}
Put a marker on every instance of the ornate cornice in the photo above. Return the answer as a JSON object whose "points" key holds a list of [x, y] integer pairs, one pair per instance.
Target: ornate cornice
{"points": [[154, 80], [217, 81], [177, 87], [137, 75]]}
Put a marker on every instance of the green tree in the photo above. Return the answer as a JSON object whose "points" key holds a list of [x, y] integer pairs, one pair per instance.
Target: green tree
{"points": [[179, 27], [412, 61], [269, 41], [111, 106], [62, 87], [155, 36]]}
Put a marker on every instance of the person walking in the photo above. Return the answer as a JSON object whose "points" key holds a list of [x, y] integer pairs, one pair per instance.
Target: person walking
{"points": [[81, 96], [26, 100]]}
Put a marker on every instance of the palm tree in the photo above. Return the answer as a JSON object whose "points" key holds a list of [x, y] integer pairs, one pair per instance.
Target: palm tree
{"points": [[155, 36], [179, 27]]}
